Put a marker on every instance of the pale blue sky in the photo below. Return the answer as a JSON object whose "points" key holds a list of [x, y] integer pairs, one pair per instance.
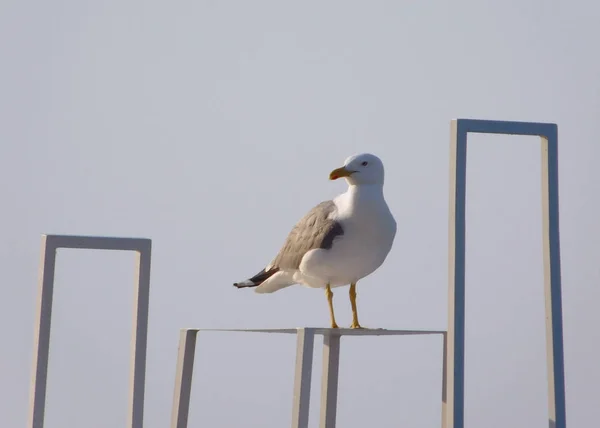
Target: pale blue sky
{"points": [[211, 128]]}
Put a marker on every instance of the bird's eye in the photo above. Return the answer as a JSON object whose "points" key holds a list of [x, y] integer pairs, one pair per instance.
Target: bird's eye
{"points": [[365, 163]]}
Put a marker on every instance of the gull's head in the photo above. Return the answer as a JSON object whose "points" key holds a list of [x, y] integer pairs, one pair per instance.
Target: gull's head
{"points": [[360, 169]]}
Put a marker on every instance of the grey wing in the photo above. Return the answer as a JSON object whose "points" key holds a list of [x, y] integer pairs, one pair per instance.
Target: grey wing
{"points": [[315, 230]]}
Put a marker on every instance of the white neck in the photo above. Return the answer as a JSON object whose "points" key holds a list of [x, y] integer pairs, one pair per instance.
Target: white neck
{"points": [[360, 190]]}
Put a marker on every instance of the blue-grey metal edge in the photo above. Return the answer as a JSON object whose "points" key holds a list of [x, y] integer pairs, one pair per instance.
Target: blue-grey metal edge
{"points": [[551, 249], [50, 245], [303, 370]]}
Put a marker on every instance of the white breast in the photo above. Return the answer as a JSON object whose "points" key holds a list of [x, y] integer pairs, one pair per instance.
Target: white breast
{"points": [[369, 232]]}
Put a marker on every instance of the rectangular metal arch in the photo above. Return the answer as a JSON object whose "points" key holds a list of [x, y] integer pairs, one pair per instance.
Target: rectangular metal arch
{"points": [[50, 245], [303, 370], [456, 268]]}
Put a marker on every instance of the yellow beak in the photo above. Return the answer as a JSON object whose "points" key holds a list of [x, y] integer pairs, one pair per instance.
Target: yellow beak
{"points": [[339, 173]]}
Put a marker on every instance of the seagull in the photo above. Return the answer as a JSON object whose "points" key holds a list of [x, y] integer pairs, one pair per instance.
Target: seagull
{"points": [[339, 241]]}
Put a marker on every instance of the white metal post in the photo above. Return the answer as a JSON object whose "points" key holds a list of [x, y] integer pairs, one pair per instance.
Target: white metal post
{"points": [[329, 379], [302, 378], [183, 378]]}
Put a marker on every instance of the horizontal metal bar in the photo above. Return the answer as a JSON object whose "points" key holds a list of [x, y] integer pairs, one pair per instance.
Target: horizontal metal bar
{"points": [[325, 331], [98, 243], [506, 127]]}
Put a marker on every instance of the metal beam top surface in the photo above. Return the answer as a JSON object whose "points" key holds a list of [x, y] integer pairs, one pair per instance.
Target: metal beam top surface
{"points": [[98, 242], [324, 331], [508, 127]]}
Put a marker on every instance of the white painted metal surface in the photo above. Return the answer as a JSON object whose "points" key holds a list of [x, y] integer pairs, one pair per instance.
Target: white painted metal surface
{"points": [[50, 245], [548, 133], [303, 370]]}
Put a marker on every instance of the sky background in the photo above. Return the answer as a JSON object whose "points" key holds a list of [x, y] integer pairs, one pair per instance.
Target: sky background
{"points": [[211, 128]]}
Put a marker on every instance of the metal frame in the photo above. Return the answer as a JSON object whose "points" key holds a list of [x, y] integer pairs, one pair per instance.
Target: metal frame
{"points": [[551, 249], [303, 370], [50, 245]]}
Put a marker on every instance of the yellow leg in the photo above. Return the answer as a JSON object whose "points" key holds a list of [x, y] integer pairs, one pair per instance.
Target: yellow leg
{"points": [[355, 323], [329, 295]]}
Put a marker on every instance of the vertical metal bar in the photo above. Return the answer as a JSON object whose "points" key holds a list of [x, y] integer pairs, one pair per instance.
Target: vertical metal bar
{"points": [[445, 422], [456, 275], [302, 379], [552, 280], [183, 378], [140, 337], [329, 379], [41, 345]]}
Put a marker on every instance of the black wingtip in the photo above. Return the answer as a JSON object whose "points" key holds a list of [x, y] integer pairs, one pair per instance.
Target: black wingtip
{"points": [[257, 279], [244, 284]]}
